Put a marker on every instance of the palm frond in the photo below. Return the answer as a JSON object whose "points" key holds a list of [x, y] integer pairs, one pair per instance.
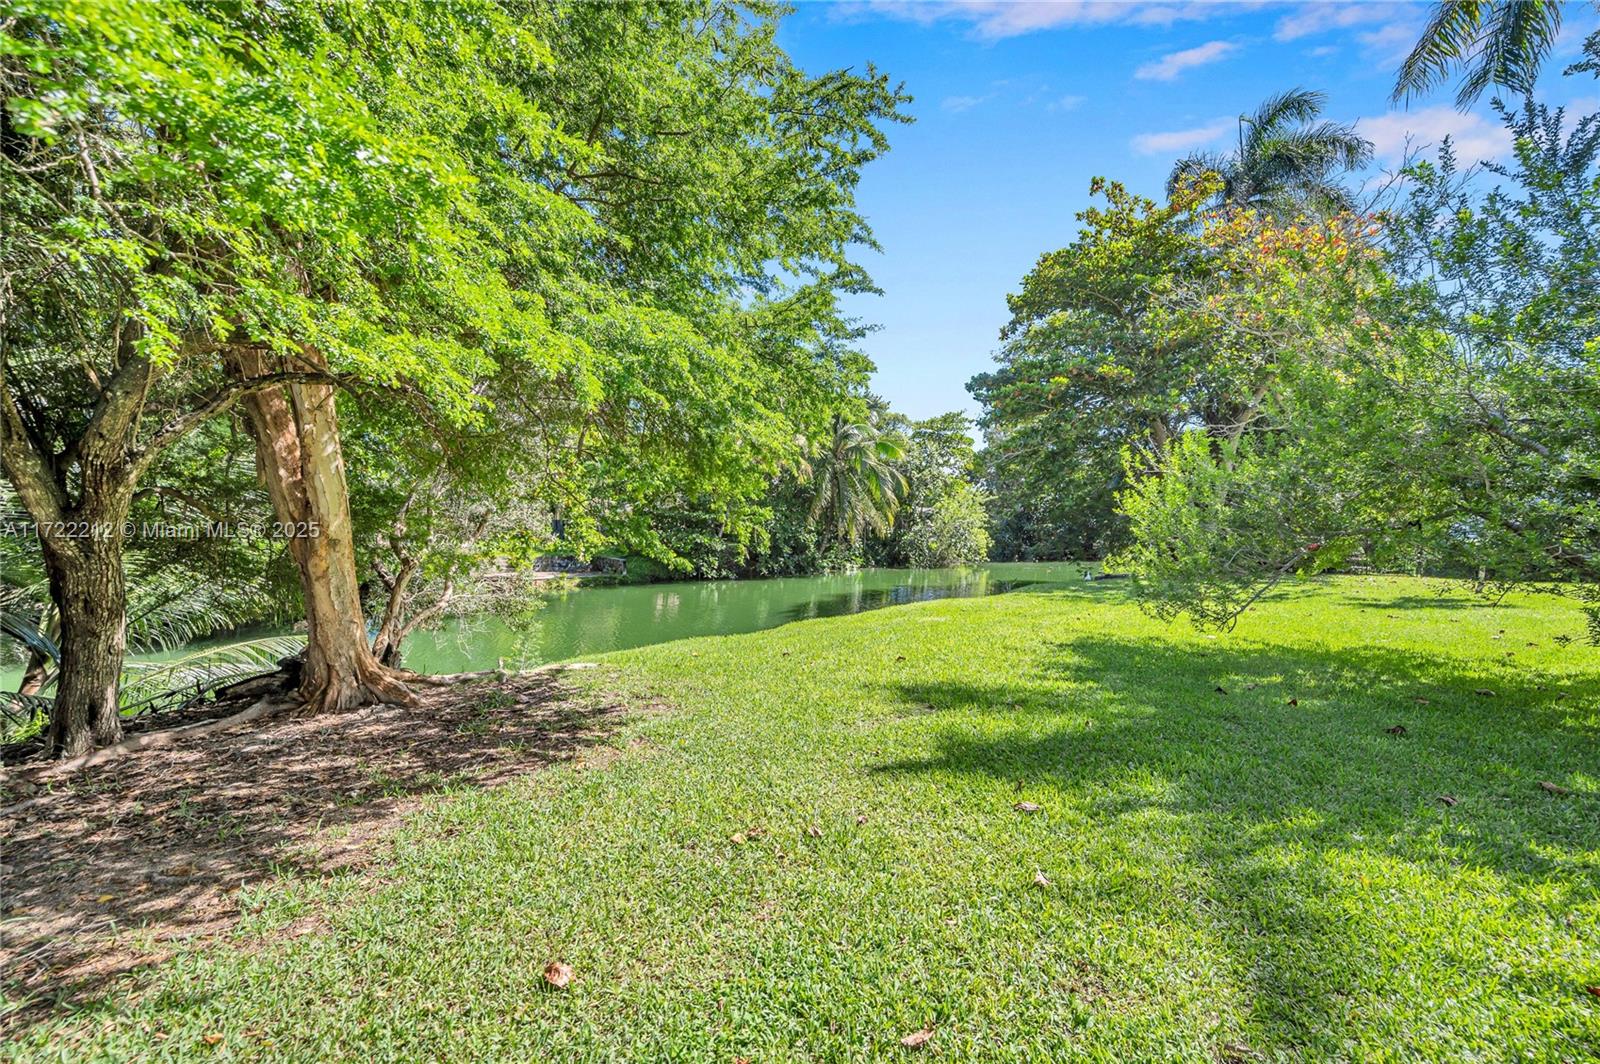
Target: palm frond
{"points": [[1512, 47], [152, 683], [1450, 33]]}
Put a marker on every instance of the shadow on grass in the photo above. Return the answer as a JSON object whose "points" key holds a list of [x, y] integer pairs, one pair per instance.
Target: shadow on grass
{"points": [[1271, 798], [160, 841]]}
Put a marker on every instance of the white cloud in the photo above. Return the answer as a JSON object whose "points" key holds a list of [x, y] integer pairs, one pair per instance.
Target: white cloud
{"points": [[1170, 66], [993, 19], [1474, 137], [1321, 17], [1177, 140], [963, 103]]}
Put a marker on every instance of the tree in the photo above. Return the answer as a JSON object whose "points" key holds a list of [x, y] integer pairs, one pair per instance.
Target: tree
{"points": [[1434, 407], [153, 220], [1286, 161], [856, 486], [941, 519], [1089, 368], [633, 222], [1492, 42]]}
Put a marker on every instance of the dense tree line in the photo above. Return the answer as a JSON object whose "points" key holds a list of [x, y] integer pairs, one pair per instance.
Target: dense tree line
{"points": [[1254, 379]]}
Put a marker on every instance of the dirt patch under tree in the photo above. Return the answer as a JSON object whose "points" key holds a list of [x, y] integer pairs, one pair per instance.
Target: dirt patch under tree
{"points": [[161, 840]]}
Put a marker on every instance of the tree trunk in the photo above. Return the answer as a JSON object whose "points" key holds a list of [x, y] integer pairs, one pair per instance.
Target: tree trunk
{"points": [[298, 455], [86, 584]]}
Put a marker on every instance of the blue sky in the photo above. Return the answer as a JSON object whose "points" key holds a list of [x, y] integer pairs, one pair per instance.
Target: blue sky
{"points": [[1018, 105]]}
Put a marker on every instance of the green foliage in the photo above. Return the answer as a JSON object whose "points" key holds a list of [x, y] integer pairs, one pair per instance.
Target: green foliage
{"points": [[954, 530], [1090, 367], [1433, 410]]}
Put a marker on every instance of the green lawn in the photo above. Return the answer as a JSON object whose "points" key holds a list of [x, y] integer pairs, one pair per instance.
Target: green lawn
{"points": [[1231, 876]]}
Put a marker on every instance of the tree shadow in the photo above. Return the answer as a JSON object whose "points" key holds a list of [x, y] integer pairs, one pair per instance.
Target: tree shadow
{"points": [[1276, 800], [110, 868]]}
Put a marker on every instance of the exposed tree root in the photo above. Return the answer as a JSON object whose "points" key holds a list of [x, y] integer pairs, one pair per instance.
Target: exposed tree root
{"points": [[266, 707]]}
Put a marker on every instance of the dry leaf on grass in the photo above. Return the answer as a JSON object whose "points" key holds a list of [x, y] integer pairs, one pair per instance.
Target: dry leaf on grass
{"points": [[557, 975], [1483, 692], [1026, 807], [917, 1039], [211, 1039], [1396, 730], [814, 831], [861, 819], [1449, 799], [1040, 879], [1553, 788]]}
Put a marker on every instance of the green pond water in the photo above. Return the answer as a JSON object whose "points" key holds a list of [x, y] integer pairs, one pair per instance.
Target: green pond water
{"points": [[593, 620]]}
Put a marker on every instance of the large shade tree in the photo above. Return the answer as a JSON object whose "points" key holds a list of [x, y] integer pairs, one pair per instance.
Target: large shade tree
{"points": [[628, 218]]}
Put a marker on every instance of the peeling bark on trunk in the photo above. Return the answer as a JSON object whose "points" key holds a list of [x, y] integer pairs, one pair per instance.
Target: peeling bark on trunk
{"points": [[300, 459]]}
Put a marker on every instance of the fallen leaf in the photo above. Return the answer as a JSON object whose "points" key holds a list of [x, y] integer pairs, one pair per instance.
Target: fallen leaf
{"points": [[211, 1039], [917, 1039], [899, 657], [1595, 990], [1449, 799], [737, 838], [1396, 730], [1483, 692], [102, 899], [814, 831], [1419, 700], [557, 975], [1553, 788], [1292, 702], [862, 819], [1040, 879], [1026, 807]]}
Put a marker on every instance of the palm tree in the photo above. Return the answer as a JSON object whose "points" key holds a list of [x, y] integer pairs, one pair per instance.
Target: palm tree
{"points": [[857, 487], [1493, 42], [1286, 159]]}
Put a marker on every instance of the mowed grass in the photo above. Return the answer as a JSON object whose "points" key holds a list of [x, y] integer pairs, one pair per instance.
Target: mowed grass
{"points": [[817, 853]]}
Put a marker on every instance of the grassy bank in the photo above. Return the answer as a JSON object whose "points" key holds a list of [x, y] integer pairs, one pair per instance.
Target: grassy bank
{"points": [[1321, 836]]}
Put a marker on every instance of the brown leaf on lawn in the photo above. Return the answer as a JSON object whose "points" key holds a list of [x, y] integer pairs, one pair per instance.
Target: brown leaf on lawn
{"points": [[1449, 799], [899, 657], [1419, 700], [1292, 702], [1553, 788], [1040, 879], [557, 975], [917, 1039], [737, 838], [1026, 807], [1483, 692], [211, 1039], [814, 831], [1396, 730], [1595, 990]]}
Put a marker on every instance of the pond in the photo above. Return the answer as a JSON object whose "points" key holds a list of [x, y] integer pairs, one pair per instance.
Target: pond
{"points": [[593, 620]]}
